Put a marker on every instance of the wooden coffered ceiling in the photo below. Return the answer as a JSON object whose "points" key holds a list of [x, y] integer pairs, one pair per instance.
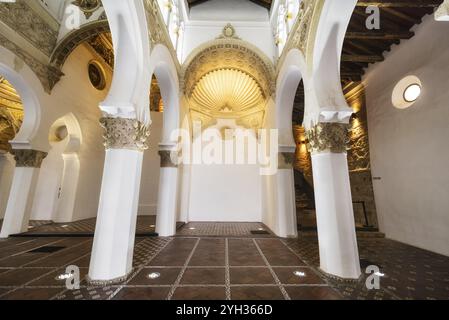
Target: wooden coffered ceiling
{"points": [[363, 46], [264, 3]]}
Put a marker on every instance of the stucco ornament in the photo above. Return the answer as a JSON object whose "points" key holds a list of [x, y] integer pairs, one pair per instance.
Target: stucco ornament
{"points": [[286, 160], [328, 137], [28, 158], [88, 7], [121, 133]]}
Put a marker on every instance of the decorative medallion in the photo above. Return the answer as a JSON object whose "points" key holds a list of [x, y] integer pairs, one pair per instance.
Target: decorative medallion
{"points": [[228, 32], [121, 133], [88, 7], [97, 75], [328, 137]]}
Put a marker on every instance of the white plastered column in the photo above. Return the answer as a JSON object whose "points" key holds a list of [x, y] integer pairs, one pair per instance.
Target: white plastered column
{"points": [[167, 210], [17, 215], [7, 165], [113, 246], [339, 254], [286, 202]]}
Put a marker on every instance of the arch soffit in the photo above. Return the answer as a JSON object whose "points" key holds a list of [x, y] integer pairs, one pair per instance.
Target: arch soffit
{"points": [[73, 39]]}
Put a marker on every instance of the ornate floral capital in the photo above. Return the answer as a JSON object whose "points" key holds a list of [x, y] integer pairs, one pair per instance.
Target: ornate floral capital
{"points": [[328, 137], [121, 133], [27, 158], [286, 160], [168, 159]]}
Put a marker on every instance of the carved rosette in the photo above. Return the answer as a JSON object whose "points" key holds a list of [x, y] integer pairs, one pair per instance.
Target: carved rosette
{"points": [[168, 159], [121, 133], [328, 137], [286, 160], [27, 158]]}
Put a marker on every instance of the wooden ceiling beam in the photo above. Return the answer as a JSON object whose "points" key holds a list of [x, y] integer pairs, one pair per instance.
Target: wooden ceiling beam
{"points": [[372, 35], [400, 4], [361, 58]]}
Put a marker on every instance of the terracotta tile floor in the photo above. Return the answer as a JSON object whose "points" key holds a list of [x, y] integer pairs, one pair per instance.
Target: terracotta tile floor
{"points": [[220, 267]]}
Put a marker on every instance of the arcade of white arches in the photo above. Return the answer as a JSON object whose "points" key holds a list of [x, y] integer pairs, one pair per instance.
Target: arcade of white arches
{"points": [[108, 114]]}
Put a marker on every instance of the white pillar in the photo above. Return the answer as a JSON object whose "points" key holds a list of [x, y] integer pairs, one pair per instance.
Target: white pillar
{"points": [[7, 165], [339, 254], [113, 247], [21, 195], [286, 202], [168, 192]]}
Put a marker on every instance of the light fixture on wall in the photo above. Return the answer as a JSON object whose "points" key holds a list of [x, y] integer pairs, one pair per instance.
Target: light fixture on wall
{"points": [[406, 92], [412, 92]]}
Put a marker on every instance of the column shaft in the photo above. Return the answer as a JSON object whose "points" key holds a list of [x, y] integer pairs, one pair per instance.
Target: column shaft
{"points": [[168, 196], [339, 254], [17, 214], [113, 247]]}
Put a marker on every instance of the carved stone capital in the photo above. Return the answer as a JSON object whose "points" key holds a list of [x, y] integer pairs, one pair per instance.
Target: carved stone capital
{"points": [[168, 159], [27, 158], [286, 160], [328, 137], [121, 133]]}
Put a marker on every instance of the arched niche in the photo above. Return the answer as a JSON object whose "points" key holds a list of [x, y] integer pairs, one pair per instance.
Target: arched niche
{"points": [[58, 178]]}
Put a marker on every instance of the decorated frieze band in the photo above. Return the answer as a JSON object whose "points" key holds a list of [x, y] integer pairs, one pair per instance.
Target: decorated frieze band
{"points": [[121, 133], [168, 159], [286, 160], [328, 137], [28, 158]]}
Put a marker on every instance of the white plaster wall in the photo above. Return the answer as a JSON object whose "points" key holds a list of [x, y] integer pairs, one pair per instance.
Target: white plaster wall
{"points": [[208, 19], [225, 193], [149, 185], [409, 148], [233, 10]]}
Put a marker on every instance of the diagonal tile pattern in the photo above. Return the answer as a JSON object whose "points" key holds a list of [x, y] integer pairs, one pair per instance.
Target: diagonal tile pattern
{"points": [[238, 266]]}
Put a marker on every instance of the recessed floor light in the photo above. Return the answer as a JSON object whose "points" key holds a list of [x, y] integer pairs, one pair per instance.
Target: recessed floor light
{"points": [[154, 275], [65, 226], [299, 274], [152, 226], [192, 228], [30, 227], [261, 229], [64, 276]]}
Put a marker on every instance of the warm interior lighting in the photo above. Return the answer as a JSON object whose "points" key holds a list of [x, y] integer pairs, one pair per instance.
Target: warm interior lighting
{"points": [[299, 274], [64, 276], [412, 92], [226, 93], [154, 275]]}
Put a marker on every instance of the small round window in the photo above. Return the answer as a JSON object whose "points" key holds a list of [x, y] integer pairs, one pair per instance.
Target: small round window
{"points": [[96, 75], [406, 92]]}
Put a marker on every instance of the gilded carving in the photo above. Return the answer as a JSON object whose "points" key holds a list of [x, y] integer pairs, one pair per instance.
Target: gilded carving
{"points": [[328, 137], [168, 159], [121, 133], [229, 53], [27, 158], [286, 160]]}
